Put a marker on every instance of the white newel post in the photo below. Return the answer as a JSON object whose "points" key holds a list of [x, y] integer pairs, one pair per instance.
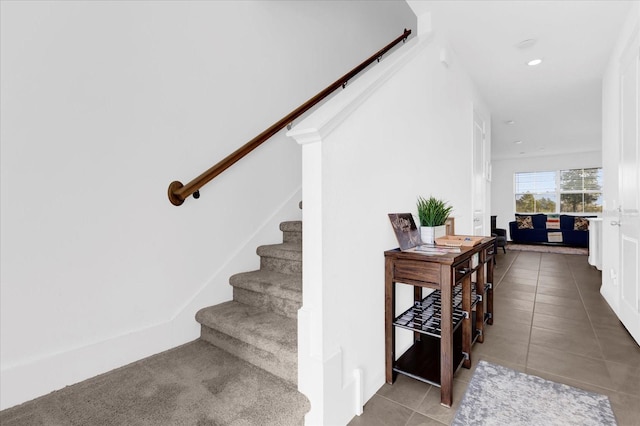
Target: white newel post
{"points": [[310, 318]]}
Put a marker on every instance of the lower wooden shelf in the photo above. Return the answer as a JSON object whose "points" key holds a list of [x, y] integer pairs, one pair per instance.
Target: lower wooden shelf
{"points": [[422, 360]]}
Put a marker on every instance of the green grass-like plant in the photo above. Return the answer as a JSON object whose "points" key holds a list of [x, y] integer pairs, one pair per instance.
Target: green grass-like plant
{"points": [[432, 211]]}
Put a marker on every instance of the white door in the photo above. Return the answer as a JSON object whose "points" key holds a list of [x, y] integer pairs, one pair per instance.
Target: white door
{"points": [[629, 168], [479, 184]]}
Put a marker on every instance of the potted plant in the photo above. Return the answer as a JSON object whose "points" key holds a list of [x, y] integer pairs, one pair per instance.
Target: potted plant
{"points": [[432, 214]]}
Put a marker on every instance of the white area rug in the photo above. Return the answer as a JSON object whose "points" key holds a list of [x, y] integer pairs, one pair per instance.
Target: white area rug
{"points": [[500, 396]]}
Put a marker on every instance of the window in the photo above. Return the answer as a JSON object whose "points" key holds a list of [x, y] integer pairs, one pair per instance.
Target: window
{"points": [[536, 192], [581, 190], [577, 190]]}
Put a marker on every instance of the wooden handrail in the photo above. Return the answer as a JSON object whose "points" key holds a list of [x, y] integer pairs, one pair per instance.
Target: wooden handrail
{"points": [[179, 192]]}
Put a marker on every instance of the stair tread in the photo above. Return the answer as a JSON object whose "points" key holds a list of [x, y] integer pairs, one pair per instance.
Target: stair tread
{"points": [[256, 326], [291, 226], [285, 286], [289, 251]]}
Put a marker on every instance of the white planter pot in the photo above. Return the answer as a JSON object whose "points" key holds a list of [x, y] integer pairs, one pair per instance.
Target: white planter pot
{"points": [[428, 234]]}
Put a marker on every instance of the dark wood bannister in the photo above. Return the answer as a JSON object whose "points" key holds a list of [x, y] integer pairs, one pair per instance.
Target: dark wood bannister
{"points": [[179, 192]]}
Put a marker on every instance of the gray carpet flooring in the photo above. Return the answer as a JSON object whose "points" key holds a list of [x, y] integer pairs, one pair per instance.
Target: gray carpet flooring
{"points": [[194, 384]]}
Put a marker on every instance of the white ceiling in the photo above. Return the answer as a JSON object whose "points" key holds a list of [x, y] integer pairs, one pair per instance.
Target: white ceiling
{"points": [[556, 105]]}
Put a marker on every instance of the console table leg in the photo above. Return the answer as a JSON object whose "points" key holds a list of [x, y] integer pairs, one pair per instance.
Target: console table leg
{"points": [[490, 292], [466, 323], [390, 306], [446, 338], [480, 284]]}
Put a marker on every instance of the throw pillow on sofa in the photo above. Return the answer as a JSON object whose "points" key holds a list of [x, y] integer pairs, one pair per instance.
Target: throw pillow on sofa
{"points": [[553, 221], [580, 224], [524, 222]]}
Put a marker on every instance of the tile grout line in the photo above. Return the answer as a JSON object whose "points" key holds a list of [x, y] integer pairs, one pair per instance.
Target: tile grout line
{"points": [[533, 311], [413, 411], [568, 265], [593, 330], [405, 406], [584, 306]]}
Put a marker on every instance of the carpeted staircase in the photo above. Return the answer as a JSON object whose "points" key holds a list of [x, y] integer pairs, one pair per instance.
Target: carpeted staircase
{"points": [[243, 370], [259, 325]]}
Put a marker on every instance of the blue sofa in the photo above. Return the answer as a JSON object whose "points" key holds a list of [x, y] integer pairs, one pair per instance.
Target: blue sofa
{"points": [[539, 234]]}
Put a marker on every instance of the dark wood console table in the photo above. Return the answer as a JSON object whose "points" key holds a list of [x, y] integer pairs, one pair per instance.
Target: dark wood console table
{"points": [[445, 323]]}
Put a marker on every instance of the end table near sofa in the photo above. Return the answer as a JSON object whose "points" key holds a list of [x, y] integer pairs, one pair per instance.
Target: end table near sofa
{"points": [[443, 323]]}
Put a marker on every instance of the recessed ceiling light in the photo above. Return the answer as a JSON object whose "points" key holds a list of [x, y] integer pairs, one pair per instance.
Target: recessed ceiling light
{"points": [[510, 122], [517, 142], [521, 152], [534, 62]]}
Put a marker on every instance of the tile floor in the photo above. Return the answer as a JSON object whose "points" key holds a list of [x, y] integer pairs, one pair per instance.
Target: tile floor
{"points": [[550, 321]]}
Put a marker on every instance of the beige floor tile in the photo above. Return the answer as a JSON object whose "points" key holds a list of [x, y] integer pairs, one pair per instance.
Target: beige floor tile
{"points": [[568, 381], [526, 263], [594, 297], [405, 390], [583, 369], [553, 275], [566, 292], [522, 272], [584, 344], [551, 260], [512, 330], [503, 312], [379, 411], [508, 303], [527, 260], [609, 324], [590, 285], [550, 264], [590, 290], [431, 407], [625, 377], [567, 325], [564, 302], [509, 294], [501, 348], [553, 282], [576, 313], [418, 419], [556, 273], [510, 286], [597, 307], [619, 350], [626, 408]]}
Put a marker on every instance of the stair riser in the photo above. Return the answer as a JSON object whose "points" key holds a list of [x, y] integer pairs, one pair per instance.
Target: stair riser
{"points": [[286, 307], [292, 237], [285, 266], [276, 365]]}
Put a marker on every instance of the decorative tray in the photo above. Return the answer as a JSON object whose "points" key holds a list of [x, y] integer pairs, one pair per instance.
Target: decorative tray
{"points": [[459, 240]]}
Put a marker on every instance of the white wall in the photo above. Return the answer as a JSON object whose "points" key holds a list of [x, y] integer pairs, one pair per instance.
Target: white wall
{"points": [[502, 184], [103, 105], [403, 130], [611, 115]]}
